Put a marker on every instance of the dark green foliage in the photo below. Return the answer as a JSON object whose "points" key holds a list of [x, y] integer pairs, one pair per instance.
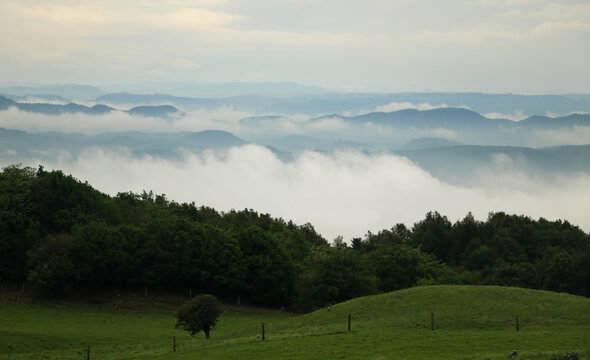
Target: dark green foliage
{"points": [[19, 230], [433, 235], [400, 266], [60, 202], [199, 314], [511, 250], [333, 275], [59, 233], [266, 263], [52, 264]]}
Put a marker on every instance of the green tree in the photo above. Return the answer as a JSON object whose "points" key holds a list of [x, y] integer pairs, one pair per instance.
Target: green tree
{"points": [[52, 264], [433, 235], [269, 274], [199, 314], [400, 266], [334, 275], [19, 230]]}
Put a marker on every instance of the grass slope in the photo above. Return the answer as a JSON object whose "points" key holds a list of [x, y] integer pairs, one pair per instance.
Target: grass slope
{"points": [[472, 322]]}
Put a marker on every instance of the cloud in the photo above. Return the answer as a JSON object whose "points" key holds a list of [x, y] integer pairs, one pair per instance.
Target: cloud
{"points": [[222, 118], [345, 193], [196, 18], [329, 124], [33, 99], [549, 12], [260, 127], [517, 115], [176, 17], [396, 106], [555, 114], [577, 135], [453, 47], [444, 133], [62, 13]]}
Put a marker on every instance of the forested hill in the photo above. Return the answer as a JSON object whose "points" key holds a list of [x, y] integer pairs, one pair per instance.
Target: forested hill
{"points": [[58, 234]]}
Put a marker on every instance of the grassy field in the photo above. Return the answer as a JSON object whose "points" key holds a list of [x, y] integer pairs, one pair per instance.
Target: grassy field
{"points": [[471, 322]]}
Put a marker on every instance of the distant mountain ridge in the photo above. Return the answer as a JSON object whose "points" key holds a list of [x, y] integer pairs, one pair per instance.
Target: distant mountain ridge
{"points": [[458, 118], [187, 103], [428, 143], [68, 91], [459, 164], [292, 98], [162, 111], [21, 145]]}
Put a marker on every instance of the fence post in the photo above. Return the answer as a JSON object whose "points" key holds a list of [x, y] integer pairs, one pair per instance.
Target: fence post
{"points": [[88, 353], [263, 337], [174, 343], [517, 327], [348, 322]]}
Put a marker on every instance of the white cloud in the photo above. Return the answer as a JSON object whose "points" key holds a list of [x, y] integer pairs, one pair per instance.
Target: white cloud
{"points": [[344, 193], [555, 114], [222, 118], [444, 133], [517, 115], [578, 135], [379, 129], [62, 13], [396, 106], [329, 124], [195, 18], [452, 47]]}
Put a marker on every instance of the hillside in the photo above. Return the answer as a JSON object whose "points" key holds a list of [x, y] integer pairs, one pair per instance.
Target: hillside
{"points": [[472, 322]]}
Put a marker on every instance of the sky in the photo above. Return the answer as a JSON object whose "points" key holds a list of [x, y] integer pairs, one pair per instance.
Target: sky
{"points": [[518, 46], [491, 46]]}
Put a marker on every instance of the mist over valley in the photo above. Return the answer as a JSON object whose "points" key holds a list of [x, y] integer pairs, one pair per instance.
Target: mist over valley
{"points": [[346, 162]]}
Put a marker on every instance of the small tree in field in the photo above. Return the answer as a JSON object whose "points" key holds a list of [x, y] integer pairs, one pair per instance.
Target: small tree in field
{"points": [[199, 313]]}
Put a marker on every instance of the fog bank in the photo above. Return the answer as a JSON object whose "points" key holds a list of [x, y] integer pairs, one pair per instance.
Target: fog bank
{"points": [[345, 193]]}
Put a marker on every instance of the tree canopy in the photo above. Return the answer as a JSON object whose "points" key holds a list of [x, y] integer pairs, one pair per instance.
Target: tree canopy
{"points": [[58, 233], [199, 314]]}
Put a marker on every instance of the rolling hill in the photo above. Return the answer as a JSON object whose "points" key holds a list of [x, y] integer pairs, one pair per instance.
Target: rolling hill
{"points": [[471, 322]]}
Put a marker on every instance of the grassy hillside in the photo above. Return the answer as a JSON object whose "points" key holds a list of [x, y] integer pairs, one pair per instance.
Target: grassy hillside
{"points": [[470, 323]]}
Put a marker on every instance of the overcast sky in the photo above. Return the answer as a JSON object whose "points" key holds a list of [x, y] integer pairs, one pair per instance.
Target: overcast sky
{"points": [[519, 46]]}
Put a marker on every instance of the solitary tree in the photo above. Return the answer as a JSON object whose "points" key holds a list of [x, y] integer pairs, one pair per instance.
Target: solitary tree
{"points": [[199, 313]]}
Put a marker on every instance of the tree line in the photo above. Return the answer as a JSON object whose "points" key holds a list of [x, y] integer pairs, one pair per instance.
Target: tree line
{"points": [[59, 234]]}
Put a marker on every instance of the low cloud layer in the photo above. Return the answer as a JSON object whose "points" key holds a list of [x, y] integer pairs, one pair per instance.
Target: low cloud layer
{"points": [[223, 118], [396, 106], [577, 135], [345, 193], [517, 115]]}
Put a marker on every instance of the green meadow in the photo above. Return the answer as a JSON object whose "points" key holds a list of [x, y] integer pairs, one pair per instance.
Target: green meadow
{"points": [[470, 322]]}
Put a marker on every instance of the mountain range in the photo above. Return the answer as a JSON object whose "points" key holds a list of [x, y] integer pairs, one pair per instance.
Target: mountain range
{"points": [[291, 98], [161, 111], [449, 161]]}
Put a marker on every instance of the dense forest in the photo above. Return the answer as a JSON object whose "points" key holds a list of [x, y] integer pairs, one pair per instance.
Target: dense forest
{"points": [[58, 234]]}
